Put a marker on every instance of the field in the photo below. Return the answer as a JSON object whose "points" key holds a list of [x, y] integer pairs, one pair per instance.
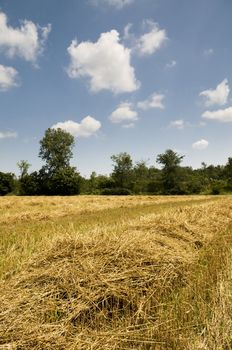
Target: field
{"points": [[95, 272]]}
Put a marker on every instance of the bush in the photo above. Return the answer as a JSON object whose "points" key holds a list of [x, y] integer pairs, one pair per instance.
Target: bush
{"points": [[29, 184], [7, 183], [215, 190], [64, 182], [116, 192]]}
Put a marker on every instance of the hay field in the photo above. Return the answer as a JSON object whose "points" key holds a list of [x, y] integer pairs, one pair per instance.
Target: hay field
{"points": [[141, 272]]}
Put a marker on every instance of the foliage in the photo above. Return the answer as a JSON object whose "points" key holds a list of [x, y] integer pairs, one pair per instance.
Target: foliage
{"points": [[57, 177], [171, 174], [30, 184], [64, 182], [122, 171], [7, 183], [56, 149], [23, 166], [116, 191]]}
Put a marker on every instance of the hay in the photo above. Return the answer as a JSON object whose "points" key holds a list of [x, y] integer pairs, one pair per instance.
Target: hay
{"points": [[103, 289]]}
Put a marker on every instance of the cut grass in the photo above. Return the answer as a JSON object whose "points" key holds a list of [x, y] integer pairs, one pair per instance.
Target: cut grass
{"points": [[151, 276], [28, 224]]}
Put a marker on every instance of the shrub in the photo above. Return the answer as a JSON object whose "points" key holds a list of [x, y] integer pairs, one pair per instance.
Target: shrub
{"points": [[116, 192], [7, 183]]}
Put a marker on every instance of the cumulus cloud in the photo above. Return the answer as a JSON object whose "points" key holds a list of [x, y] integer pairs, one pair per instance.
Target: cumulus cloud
{"points": [[26, 42], [152, 40], [178, 124], [221, 115], [118, 4], [124, 113], [8, 134], [154, 101], [219, 96], [8, 78], [128, 126], [87, 127], [106, 63], [200, 145]]}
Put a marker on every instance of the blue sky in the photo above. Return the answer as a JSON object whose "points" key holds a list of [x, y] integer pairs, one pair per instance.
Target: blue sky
{"points": [[139, 76]]}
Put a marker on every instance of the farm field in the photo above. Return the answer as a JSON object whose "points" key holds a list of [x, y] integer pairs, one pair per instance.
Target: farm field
{"points": [[108, 272]]}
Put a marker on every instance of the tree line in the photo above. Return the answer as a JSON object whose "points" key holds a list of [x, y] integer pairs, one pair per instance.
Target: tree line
{"points": [[58, 177]]}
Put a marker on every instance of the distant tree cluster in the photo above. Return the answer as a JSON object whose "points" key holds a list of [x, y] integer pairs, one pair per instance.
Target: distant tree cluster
{"points": [[58, 177]]}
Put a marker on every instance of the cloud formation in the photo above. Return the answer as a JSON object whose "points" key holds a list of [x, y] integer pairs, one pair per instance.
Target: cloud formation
{"points": [[154, 101], [171, 64], [178, 124], [124, 113], [26, 42], [118, 4], [152, 40], [8, 78], [200, 145], [8, 134], [106, 63], [218, 96], [87, 127], [221, 115]]}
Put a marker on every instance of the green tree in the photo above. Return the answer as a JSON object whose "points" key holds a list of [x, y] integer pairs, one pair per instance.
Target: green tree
{"points": [[7, 183], [64, 182], [123, 170], [141, 177], [228, 173], [23, 166], [56, 149], [30, 184], [170, 162]]}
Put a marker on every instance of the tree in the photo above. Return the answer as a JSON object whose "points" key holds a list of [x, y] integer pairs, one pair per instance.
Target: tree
{"points": [[56, 149], [170, 162], [122, 171], [64, 182], [7, 183], [141, 177], [30, 184], [23, 166], [228, 173]]}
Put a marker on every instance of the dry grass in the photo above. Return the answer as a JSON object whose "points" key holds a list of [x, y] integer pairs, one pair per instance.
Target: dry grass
{"points": [[17, 209], [147, 279]]}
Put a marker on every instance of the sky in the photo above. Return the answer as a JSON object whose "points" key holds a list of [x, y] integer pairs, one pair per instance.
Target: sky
{"points": [[136, 76]]}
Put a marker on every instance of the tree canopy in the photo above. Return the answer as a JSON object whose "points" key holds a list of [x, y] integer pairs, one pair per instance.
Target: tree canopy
{"points": [[56, 149]]}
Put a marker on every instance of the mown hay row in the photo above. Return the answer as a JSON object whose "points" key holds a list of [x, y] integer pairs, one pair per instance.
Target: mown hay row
{"points": [[104, 289]]}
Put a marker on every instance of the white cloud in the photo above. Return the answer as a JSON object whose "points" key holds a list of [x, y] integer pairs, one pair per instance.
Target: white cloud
{"points": [[124, 113], [178, 124], [221, 115], [118, 4], [219, 96], [208, 52], [154, 101], [126, 32], [151, 41], [128, 126], [8, 134], [200, 145], [106, 62], [171, 64], [8, 78], [87, 127], [27, 41]]}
